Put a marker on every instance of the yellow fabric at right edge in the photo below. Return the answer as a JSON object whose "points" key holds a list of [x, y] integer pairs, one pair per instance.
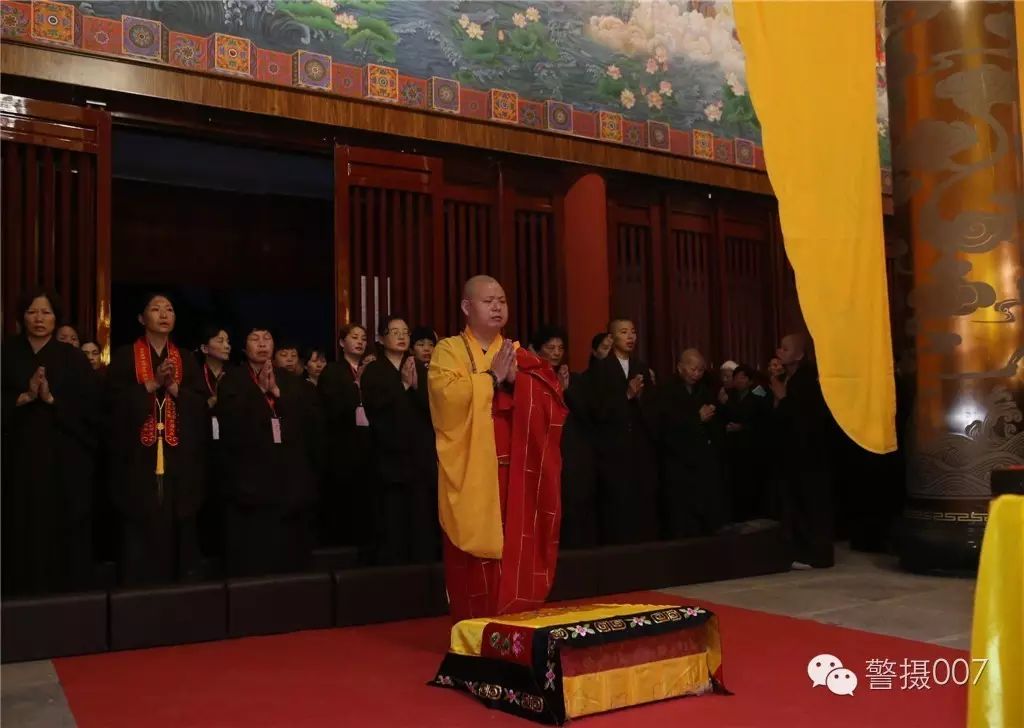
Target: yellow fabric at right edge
{"points": [[995, 694], [811, 77]]}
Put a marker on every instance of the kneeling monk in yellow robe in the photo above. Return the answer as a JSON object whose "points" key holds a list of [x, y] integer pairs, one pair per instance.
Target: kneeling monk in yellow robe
{"points": [[498, 412]]}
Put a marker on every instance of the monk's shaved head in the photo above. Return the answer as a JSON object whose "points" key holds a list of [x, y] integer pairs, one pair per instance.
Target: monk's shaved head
{"points": [[792, 350], [475, 284], [691, 356], [798, 342], [483, 302], [691, 366]]}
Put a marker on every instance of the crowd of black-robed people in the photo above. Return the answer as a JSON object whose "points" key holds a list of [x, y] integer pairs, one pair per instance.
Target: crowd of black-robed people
{"points": [[278, 450]]}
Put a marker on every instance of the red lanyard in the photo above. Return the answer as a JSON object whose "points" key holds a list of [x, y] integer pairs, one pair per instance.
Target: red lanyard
{"points": [[266, 395], [212, 386], [355, 381]]}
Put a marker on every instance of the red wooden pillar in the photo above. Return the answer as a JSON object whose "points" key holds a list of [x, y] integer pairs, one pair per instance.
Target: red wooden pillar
{"points": [[587, 290]]}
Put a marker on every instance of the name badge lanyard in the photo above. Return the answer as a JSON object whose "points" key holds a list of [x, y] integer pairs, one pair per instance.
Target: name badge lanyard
{"points": [[275, 421], [361, 419], [213, 387]]}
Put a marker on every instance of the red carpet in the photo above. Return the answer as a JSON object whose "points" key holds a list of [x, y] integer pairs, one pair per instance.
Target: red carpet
{"points": [[375, 676]]}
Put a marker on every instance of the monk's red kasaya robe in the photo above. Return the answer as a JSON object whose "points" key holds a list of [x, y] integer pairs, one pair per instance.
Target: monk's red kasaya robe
{"points": [[501, 513]]}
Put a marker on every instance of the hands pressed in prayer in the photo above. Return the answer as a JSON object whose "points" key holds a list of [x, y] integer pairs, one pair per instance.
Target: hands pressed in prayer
{"points": [[563, 376], [733, 427], [654, 380], [410, 377], [723, 397], [636, 387], [34, 384], [504, 364], [165, 375], [707, 412], [44, 386], [37, 377], [267, 380]]}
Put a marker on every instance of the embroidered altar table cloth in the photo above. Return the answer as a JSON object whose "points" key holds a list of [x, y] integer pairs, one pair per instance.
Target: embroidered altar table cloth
{"points": [[558, 663]]}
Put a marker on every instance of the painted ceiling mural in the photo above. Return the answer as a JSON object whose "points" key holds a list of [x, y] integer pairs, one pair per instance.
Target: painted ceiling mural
{"points": [[661, 74]]}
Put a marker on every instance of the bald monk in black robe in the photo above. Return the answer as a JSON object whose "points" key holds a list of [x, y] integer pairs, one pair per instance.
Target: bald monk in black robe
{"points": [[805, 429], [621, 408], [690, 438]]}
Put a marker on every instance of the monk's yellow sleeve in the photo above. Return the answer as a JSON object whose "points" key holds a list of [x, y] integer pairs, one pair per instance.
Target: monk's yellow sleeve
{"points": [[468, 499]]}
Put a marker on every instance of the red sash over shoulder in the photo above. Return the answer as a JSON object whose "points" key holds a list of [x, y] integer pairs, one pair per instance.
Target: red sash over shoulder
{"points": [[534, 509], [167, 425]]}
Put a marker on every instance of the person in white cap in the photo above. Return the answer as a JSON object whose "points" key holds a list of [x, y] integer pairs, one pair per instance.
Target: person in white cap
{"points": [[726, 375]]}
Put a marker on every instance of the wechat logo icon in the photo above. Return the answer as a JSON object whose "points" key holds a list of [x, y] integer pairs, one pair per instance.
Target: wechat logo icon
{"points": [[828, 670]]}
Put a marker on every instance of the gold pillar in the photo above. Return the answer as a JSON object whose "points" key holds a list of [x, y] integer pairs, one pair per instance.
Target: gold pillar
{"points": [[959, 199]]}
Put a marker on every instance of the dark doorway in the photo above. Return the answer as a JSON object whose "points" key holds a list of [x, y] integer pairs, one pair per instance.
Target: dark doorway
{"points": [[235, 235]]}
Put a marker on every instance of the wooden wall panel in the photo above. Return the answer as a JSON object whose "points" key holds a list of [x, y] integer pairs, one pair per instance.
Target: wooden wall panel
{"points": [[690, 290], [528, 259], [384, 236], [748, 326], [631, 235], [535, 298], [56, 200], [469, 249], [407, 242], [390, 243], [785, 304], [697, 270], [900, 280]]}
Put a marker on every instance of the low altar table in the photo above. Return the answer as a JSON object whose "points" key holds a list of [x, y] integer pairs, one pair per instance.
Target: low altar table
{"points": [[565, 662]]}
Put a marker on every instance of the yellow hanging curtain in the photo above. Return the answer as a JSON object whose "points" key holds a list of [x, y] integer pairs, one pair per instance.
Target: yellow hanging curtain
{"points": [[811, 78], [995, 697]]}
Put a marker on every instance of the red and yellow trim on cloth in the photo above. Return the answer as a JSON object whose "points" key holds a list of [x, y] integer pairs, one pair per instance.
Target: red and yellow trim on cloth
{"points": [[558, 663], [157, 425]]}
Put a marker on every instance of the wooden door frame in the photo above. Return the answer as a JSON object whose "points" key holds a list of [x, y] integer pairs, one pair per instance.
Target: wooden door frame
{"points": [[80, 129]]}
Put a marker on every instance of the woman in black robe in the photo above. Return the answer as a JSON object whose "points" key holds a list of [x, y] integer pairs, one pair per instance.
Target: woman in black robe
{"points": [[214, 356], [621, 407], [49, 415], [807, 434], [424, 341], [404, 496], [270, 441], [690, 439], [347, 498], [159, 430], [313, 362]]}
